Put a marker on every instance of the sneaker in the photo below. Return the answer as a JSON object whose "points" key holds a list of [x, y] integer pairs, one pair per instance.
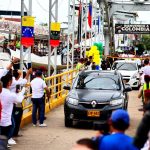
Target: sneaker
{"points": [[9, 146], [34, 125], [43, 125], [11, 141]]}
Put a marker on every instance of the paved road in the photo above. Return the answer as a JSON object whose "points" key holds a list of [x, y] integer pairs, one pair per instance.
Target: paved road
{"points": [[57, 137]]}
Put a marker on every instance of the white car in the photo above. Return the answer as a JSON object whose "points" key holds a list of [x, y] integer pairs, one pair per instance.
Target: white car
{"points": [[129, 70]]}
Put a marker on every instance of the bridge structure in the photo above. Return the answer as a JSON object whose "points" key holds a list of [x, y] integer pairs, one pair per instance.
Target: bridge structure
{"points": [[57, 81]]}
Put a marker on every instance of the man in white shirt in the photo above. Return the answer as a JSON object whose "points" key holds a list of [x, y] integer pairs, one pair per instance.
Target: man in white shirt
{"points": [[17, 80], [146, 68], [38, 86], [8, 99]]}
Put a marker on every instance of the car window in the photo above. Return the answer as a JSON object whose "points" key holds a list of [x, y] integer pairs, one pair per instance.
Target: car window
{"points": [[124, 66], [99, 83]]}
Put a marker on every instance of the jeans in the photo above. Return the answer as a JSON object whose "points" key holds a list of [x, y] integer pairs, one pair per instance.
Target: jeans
{"points": [[38, 105], [12, 127], [5, 131]]}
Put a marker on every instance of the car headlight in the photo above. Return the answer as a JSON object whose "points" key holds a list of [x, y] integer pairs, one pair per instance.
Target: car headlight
{"points": [[73, 101], [134, 76], [116, 102]]}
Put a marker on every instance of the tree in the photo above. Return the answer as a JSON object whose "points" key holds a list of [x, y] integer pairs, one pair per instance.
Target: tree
{"points": [[141, 48], [146, 41]]}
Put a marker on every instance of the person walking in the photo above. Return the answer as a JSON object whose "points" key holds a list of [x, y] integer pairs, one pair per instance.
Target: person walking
{"points": [[38, 86]]}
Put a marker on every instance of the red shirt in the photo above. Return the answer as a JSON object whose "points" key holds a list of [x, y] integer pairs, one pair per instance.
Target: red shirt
{"points": [[0, 110]]}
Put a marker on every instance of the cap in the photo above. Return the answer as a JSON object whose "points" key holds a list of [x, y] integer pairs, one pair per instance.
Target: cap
{"points": [[120, 114]]}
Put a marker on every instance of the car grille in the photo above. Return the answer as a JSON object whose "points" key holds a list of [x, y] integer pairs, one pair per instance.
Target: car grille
{"points": [[127, 77], [90, 106]]}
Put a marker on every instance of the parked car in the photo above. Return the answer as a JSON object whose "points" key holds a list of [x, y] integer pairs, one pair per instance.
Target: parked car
{"points": [[94, 95], [129, 70]]}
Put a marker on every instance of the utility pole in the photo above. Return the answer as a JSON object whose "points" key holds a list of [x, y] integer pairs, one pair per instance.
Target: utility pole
{"points": [[109, 30], [53, 16], [71, 34], [28, 51]]}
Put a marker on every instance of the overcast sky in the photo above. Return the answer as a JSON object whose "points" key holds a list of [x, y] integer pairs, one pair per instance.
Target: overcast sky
{"points": [[41, 7]]}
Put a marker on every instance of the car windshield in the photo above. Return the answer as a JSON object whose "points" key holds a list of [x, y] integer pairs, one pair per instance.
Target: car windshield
{"points": [[124, 66], [99, 82]]}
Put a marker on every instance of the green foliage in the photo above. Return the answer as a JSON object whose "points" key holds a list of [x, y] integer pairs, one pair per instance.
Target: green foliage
{"points": [[141, 48], [146, 41]]}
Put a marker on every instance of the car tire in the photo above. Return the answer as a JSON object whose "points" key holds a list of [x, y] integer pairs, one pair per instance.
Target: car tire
{"points": [[68, 122]]}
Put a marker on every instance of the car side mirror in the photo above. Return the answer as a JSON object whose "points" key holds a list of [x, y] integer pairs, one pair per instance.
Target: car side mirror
{"points": [[67, 87], [127, 88]]}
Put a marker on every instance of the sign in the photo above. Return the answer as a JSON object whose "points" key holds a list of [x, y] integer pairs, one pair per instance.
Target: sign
{"points": [[55, 34], [132, 28]]}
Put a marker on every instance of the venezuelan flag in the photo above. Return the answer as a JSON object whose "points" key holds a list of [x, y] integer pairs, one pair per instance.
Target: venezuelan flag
{"points": [[90, 14], [27, 37]]}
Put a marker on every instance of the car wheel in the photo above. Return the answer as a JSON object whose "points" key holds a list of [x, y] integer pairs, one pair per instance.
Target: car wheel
{"points": [[68, 122]]}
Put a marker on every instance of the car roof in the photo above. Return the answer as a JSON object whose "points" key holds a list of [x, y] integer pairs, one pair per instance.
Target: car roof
{"points": [[126, 61], [102, 72]]}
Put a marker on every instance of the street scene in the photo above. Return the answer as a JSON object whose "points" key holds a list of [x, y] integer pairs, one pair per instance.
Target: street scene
{"points": [[75, 75]]}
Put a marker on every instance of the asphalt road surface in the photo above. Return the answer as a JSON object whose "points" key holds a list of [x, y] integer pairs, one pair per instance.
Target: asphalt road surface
{"points": [[57, 137]]}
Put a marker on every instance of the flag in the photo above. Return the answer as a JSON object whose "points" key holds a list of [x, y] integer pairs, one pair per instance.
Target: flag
{"points": [[55, 34], [90, 14], [27, 35], [79, 23]]}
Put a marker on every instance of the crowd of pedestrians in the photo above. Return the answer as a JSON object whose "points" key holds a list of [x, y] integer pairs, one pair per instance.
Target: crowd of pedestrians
{"points": [[12, 93]]}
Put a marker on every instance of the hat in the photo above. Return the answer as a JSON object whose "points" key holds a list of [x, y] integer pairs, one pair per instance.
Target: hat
{"points": [[120, 114]]}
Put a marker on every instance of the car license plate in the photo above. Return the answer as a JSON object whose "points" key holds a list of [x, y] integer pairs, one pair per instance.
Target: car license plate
{"points": [[93, 113]]}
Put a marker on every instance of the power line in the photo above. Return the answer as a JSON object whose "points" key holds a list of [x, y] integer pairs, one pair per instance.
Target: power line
{"points": [[42, 6]]}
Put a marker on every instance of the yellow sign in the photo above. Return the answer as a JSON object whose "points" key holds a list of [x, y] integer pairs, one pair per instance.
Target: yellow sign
{"points": [[55, 26], [28, 21]]}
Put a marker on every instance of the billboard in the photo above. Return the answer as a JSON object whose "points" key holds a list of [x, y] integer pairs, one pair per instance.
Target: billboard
{"points": [[132, 28]]}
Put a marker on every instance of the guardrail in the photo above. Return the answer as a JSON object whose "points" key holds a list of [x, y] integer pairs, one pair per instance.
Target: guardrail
{"points": [[58, 94]]}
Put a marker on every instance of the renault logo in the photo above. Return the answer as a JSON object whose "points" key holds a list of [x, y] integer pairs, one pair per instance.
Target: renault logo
{"points": [[93, 103]]}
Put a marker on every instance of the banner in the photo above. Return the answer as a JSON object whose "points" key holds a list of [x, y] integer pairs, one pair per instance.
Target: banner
{"points": [[55, 34], [27, 36], [132, 28]]}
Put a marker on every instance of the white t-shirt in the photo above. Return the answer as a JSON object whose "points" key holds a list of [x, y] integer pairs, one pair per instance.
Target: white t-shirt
{"points": [[15, 82], [38, 85], [146, 70], [3, 72], [8, 98]]}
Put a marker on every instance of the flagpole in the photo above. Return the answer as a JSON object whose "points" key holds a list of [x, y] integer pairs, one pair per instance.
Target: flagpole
{"points": [[21, 48], [91, 23], [81, 15], [86, 11]]}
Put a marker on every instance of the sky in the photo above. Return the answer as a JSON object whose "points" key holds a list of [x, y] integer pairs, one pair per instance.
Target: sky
{"points": [[40, 10]]}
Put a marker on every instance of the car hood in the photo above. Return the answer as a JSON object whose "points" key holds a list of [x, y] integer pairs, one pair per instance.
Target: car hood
{"points": [[127, 73], [98, 95]]}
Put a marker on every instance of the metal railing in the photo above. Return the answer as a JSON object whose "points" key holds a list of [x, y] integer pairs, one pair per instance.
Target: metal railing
{"points": [[56, 87]]}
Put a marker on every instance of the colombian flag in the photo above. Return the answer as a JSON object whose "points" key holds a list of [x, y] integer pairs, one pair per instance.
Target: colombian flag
{"points": [[27, 36], [90, 14]]}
